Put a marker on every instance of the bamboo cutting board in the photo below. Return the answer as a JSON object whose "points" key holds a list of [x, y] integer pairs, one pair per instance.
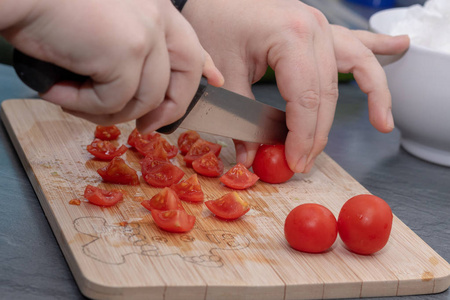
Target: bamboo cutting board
{"points": [[119, 253]]}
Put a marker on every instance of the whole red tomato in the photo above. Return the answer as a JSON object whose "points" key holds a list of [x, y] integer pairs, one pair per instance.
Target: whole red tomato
{"points": [[270, 164], [365, 223], [310, 228]]}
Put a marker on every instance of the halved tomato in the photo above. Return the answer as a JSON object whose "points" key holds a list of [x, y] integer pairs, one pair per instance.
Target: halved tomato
{"points": [[105, 150], [186, 140], [189, 189], [117, 171], [101, 197], [166, 199], [107, 133], [200, 148], [239, 177], [135, 135], [208, 165], [146, 147], [160, 173], [228, 207], [173, 220]]}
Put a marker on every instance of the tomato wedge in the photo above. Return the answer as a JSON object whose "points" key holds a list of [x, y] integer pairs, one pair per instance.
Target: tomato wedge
{"points": [[200, 148], [228, 207], [105, 150], [173, 220], [146, 147], [135, 135], [117, 171], [186, 140], [189, 189], [239, 177], [208, 165], [167, 199], [160, 173], [107, 133], [101, 197]]}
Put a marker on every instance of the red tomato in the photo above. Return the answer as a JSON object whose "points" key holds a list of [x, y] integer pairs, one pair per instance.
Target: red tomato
{"points": [[166, 199], [186, 139], [135, 135], [310, 228], [228, 207], [200, 148], [104, 150], [157, 144], [160, 173], [189, 190], [365, 223], [239, 177], [107, 133], [208, 165], [117, 171], [102, 197], [173, 220], [270, 164]]}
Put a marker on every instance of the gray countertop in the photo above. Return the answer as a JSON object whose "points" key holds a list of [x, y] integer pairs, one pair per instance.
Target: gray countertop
{"points": [[32, 265]]}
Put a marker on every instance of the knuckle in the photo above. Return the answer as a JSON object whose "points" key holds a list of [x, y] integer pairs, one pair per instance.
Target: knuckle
{"points": [[309, 100]]}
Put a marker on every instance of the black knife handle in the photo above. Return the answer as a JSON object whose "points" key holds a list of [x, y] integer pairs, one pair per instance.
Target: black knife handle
{"points": [[40, 75]]}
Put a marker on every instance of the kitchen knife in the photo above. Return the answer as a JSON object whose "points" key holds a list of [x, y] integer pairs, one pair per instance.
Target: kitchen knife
{"points": [[212, 110]]}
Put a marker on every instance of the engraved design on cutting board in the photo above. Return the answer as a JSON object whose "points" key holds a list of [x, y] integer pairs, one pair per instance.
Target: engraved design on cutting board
{"points": [[111, 244]]}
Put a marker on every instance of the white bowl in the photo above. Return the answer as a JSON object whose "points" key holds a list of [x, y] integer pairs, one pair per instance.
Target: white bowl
{"points": [[419, 81]]}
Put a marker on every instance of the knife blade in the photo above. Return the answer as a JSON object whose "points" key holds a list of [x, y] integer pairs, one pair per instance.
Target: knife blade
{"points": [[212, 110]]}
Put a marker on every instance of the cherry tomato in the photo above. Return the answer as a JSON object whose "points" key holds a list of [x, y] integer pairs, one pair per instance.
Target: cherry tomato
{"points": [[239, 177], [228, 207], [146, 147], [166, 199], [159, 173], [105, 150], [173, 220], [117, 171], [189, 190], [200, 148], [270, 164], [135, 135], [310, 228], [365, 223], [186, 139], [208, 165], [107, 133], [101, 197]]}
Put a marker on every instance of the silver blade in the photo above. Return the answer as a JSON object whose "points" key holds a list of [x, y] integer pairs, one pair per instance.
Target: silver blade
{"points": [[224, 113]]}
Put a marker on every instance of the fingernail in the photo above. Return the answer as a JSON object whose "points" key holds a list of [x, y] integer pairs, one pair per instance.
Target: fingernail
{"points": [[390, 120], [241, 153], [301, 164]]}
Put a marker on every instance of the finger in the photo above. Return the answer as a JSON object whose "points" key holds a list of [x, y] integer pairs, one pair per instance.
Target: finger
{"points": [[382, 43], [211, 72], [245, 152]]}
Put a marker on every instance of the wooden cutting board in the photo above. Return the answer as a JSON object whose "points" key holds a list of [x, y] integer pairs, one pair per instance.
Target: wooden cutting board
{"points": [[119, 253]]}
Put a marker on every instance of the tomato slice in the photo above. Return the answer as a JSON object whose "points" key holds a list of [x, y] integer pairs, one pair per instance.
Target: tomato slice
{"points": [[107, 133], [160, 173], [228, 207], [135, 135], [156, 145], [105, 150], [101, 197], [200, 148], [173, 220], [117, 171], [166, 199], [186, 140], [189, 190], [239, 177], [208, 165]]}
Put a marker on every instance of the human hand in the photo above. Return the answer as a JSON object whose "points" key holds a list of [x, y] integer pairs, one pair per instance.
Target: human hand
{"points": [[306, 53], [143, 58]]}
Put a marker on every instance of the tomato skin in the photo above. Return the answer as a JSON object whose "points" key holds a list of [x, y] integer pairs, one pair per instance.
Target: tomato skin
{"points": [[167, 199], [270, 164], [117, 171], [178, 221], [208, 165], [365, 223], [239, 177], [229, 207], [156, 145], [189, 190], [105, 150], [310, 228], [186, 140], [107, 133], [160, 173], [101, 197], [135, 135], [200, 148]]}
